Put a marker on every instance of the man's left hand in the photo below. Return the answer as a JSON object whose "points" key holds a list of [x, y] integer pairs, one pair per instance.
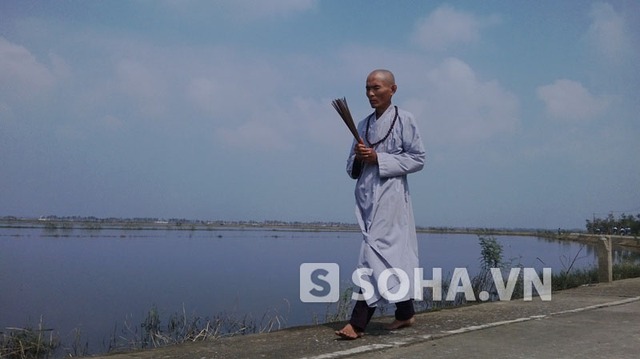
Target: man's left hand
{"points": [[366, 154]]}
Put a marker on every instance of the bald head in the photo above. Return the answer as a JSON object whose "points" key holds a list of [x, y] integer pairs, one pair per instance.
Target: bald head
{"points": [[381, 85], [384, 75]]}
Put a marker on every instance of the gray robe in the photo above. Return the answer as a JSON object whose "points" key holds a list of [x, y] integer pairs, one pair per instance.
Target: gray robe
{"points": [[383, 204]]}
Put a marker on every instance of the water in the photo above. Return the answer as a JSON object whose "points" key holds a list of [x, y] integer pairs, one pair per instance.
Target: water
{"points": [[94, 281]]}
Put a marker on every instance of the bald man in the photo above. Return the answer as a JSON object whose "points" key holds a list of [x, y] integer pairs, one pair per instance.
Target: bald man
{"points": [[390, 149]]}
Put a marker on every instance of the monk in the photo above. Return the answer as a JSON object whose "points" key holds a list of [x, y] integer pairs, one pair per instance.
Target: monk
{"points": [[390, 148]]}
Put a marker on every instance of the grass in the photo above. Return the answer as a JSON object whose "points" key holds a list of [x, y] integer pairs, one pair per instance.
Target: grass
{"points": [[28, 342], [155, 331], [626, 269], [182, 327], [340, 310]]}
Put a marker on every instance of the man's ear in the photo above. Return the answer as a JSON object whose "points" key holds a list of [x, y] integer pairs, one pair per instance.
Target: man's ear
{"points": [[394, 88]]}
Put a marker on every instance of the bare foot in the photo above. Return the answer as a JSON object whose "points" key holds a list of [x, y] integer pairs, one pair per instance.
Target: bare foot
{"points": [[348, 332], [398, 324]]}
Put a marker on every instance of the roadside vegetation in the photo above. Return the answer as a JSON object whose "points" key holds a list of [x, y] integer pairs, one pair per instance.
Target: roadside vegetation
{"points": [[625, 225], [155, 331], [28, 342]]}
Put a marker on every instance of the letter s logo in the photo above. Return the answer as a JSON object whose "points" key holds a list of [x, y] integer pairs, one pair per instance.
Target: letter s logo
{"points": [[316, 278], [319, 282]]}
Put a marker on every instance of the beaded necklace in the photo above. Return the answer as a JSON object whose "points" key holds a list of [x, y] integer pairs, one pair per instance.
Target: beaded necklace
{"points": [[366, 135]]}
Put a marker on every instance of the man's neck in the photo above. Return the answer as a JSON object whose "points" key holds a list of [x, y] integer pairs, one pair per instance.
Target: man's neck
{"points": [[381, 110]]}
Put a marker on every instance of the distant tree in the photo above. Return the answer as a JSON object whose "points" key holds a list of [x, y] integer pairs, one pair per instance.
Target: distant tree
{"points": [[613, 225]]}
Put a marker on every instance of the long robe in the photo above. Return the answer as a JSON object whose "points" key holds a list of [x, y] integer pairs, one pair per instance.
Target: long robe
{"points": [[383, 204]]}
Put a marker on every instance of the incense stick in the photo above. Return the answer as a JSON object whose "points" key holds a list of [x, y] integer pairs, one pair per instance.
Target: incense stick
{"points": [[342, 108]]}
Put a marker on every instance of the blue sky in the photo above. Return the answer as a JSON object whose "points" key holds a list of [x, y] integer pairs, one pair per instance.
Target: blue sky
{"points": [[221, 109]]}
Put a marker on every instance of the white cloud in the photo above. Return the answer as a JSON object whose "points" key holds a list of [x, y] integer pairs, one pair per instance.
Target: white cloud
{"points": [[446, 27], [318, 121], [231, 85], [205, 94], [460, 108], [567, 99], [20, 72], [608, 33], [254, 135], [59, 67], [144, 84], [299, 122]]}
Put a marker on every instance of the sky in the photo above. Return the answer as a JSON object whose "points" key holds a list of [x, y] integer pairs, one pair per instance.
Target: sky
{"points": [[221, 110]]}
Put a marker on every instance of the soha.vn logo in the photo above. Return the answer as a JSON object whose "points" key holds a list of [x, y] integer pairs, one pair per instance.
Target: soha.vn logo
{"points": [[320, 283]]}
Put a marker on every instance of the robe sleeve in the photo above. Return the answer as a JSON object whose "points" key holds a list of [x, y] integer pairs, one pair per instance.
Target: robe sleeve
{"points": [[354, 167], [412, 157]]}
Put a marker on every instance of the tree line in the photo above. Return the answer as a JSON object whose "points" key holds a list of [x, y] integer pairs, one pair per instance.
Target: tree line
{"points": [[622, 225]]}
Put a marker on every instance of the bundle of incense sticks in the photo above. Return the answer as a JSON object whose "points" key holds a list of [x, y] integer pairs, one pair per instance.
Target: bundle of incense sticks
{"points": [[341, 106]]}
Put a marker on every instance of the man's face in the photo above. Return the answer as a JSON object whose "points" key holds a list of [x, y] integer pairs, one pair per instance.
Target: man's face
{"points": [[379, 91]]}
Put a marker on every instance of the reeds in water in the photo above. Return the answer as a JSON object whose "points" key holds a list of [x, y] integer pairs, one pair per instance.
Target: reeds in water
{"points": [[28, 342]]}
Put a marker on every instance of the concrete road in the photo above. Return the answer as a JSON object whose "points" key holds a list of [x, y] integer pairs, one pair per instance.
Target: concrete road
{"points": [[599, 321]]}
